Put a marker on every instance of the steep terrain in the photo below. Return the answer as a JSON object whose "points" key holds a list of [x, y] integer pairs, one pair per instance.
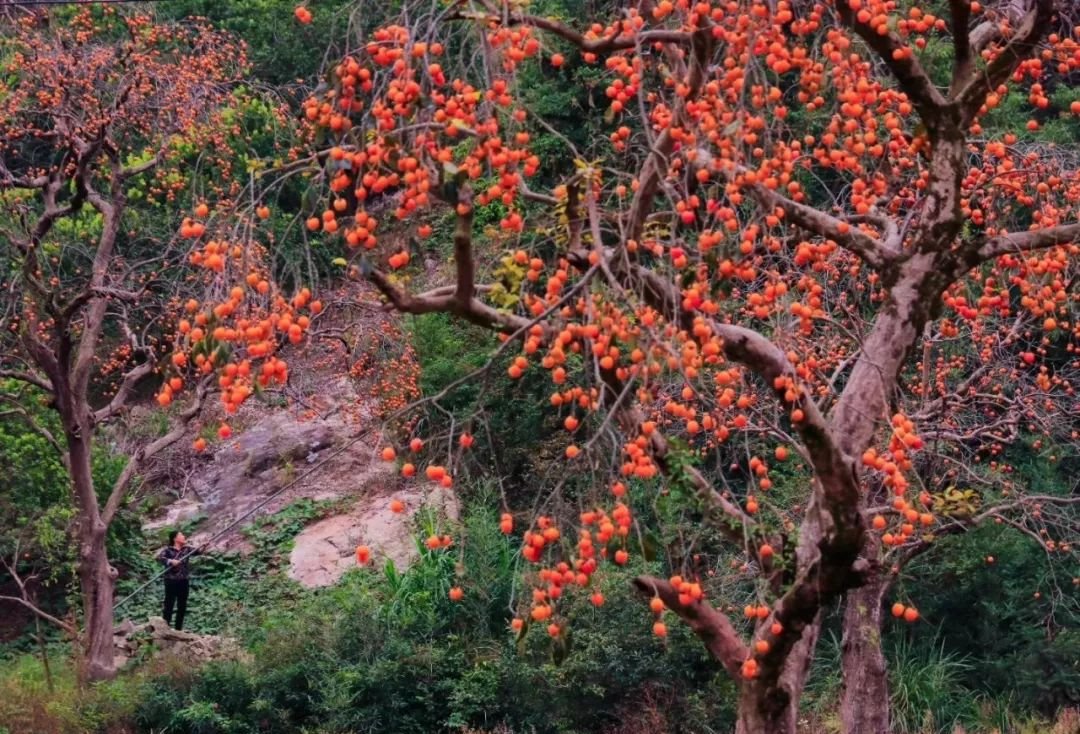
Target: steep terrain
{"points": [[317, 438]]}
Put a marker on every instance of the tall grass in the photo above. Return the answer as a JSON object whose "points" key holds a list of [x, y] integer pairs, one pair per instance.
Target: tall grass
{"points": [[926, 689]]}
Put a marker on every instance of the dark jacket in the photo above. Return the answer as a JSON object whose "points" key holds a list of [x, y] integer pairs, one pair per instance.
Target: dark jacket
{"points": [[180, 572]]}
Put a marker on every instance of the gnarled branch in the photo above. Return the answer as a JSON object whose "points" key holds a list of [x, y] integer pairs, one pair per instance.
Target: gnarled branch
{"points": [[876, 253], [711, 626]]}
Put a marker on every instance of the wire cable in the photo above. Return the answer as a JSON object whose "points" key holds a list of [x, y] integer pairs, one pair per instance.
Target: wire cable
{"points": [[247, 514]]}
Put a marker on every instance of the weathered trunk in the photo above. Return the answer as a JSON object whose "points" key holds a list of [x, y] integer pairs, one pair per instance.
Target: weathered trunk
{"points": [[97, 578], [759, 715], [864, 698], [773, 708]]}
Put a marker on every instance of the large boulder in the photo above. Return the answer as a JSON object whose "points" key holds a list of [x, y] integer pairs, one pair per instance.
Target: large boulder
{"points": [[324, 551], [272, 453]]}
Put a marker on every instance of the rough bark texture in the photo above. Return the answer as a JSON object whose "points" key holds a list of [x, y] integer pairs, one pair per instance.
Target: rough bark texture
{"points": [[915, 266], [864, 698], [767, 707], [97, 577]]}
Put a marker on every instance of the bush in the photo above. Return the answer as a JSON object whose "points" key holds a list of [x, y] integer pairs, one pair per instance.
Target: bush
{"points": [[388, 651]]}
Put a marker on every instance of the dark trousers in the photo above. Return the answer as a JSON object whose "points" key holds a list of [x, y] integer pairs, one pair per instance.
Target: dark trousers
{"points": [[176, 592]]}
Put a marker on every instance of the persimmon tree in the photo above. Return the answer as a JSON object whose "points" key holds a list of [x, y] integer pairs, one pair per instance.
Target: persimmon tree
{"points": [[98, 111], [797, 229]]}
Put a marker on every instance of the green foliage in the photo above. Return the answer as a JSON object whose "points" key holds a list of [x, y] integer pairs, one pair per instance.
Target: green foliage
{"points": [[281, 50], [980, 588], [230, 593], [387, 651], [37, 515], [926, 685], [513, 412], [28, 705]]}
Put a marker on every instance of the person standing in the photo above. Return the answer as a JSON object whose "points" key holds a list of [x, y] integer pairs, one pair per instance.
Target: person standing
{"points": [[175, 558]]}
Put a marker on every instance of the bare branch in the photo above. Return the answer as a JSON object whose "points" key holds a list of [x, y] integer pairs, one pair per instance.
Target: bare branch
{"points": [[127, 385], [474, 311], [28, 378], [1035, 239], [40, 613]]}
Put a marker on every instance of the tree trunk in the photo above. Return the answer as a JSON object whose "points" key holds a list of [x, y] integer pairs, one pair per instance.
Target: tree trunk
{"points": [[773, 708], [864, 698], [97, 578], [758, 716]]}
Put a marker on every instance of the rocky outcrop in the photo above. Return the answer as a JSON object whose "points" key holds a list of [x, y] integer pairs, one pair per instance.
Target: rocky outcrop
{"points": [[155, 637], [273, 450], [324, 551]]}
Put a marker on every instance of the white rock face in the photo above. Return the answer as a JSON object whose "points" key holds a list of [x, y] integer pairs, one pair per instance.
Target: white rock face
{"points": [[324, 551], [178, 512]]}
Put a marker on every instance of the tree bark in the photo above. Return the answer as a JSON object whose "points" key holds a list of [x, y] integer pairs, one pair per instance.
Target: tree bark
{"points": [[773, 708], [864, 698], [97, 577]]}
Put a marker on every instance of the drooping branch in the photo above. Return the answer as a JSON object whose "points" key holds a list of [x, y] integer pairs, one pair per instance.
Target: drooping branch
{"points": [[752, 349], [24, 599], [28, 378], [40, 613], [877, 253], [727, 516], [904, 65], [973, 90], [711, 626]]}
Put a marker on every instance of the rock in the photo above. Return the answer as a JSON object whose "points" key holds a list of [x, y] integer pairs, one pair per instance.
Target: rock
{"points": [[124, 628], [324, 551], [131, 640], [277, 449], [178, 512]]}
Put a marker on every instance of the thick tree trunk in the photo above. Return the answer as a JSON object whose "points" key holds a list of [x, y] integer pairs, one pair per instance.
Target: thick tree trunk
{"points": [[97, 578], [766, 708], [98, 586], [864, 698], [760, 715]]}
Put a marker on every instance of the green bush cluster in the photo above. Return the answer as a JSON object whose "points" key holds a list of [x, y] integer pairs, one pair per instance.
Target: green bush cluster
{"points": [[388, 651]]}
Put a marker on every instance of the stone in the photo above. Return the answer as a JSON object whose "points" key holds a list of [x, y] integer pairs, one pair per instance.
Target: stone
{"points": [[325, 550], [177, 513], [130, 640]]}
